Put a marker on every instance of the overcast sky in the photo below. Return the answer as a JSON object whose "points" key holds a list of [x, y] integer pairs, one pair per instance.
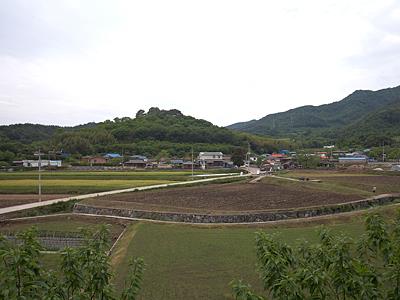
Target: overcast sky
{"points": [[72, 62]]}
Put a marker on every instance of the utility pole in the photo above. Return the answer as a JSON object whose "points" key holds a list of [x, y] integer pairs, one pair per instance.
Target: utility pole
{"points": [[123, 160], [192, 165], [40, 175], [248, 155]]}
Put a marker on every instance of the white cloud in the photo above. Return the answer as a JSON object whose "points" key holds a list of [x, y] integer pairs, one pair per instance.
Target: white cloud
{"points": [[224, 61]]}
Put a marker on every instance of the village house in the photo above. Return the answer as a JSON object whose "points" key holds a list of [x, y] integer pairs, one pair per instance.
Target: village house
{"points": [[353, 158], [176, 163], [139, 157], [210, 159], [188, 165], [164, 165], [94, 160], [136, 163], [112, 155], [27, 163]]}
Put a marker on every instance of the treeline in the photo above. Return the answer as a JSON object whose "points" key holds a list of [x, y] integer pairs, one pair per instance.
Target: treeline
{"points": [[363, 119], [147, 133]]}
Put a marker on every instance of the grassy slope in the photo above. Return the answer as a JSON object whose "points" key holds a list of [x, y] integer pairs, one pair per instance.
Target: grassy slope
{"points": [[189, 262]]}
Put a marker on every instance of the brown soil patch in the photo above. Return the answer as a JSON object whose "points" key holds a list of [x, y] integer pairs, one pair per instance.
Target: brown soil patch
{"points": [[384, 184], [7, 200], [224, 198]]}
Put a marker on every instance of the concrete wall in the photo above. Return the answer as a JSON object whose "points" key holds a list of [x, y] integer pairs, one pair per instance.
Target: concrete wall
{"points": [[261, 216]]}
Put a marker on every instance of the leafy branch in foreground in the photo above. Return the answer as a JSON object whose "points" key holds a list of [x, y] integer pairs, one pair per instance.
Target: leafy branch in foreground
{"points": [[84, 271], [335, 268]]}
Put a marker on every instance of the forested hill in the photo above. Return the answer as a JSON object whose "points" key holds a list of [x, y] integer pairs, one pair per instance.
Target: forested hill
{"points": [[330, 122], [146, 133]]}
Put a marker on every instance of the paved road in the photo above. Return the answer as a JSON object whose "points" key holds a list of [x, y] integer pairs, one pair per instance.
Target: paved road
{"points": [[48, 202], [253, 170]]}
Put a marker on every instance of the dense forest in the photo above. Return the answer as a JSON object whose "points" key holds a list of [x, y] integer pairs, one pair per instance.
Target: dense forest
{"points": [[148, 133], [362, 119]]}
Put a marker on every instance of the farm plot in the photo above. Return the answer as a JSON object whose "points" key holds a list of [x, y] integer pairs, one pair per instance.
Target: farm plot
{"points": [[227, 198], [71, 186], [191, 262], [174, 175], [384, 184], [64, 182], [7, 200], [362, 182], [64, 225]]}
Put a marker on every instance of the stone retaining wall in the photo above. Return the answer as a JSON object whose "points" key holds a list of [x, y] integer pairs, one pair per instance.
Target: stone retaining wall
{"points": [[262, 216]]}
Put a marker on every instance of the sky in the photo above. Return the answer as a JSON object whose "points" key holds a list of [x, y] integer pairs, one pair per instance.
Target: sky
{"points": [[70, 62]]}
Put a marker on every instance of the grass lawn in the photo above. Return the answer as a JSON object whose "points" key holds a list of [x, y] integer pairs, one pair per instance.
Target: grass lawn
{"points": [[71, 186], [192, 262]]}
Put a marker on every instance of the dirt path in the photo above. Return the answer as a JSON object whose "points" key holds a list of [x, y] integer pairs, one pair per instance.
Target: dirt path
{"points": [[7, 200], [121, 248], [6, 210]]}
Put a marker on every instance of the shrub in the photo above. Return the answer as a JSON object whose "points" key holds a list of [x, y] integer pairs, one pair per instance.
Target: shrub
{"points": [[335, 268], [85, 271]]}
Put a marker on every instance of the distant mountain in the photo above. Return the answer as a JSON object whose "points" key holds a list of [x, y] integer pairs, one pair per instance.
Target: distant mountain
{"points": [[356, 112], [147, 133]]}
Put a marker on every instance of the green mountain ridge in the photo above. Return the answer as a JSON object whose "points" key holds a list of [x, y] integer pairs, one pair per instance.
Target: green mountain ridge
{"points": [[148, 133], [326, 123]]}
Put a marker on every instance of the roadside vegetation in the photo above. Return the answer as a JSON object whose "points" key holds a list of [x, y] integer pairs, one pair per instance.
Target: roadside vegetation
{"points": [[336, 267], [84, 272]]}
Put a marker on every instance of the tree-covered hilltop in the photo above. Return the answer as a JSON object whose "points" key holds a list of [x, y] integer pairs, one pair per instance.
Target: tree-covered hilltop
{"points": [[146, 133], [363, 118]]}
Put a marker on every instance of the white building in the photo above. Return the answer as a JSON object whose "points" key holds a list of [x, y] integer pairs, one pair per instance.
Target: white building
{"points": [[211, 159], [210, 155], [44, 163]]}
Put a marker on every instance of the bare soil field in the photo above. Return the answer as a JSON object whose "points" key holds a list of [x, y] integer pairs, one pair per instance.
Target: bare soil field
{"points": [[362, 181], [225, 198], [384, 184], [7, 200]]}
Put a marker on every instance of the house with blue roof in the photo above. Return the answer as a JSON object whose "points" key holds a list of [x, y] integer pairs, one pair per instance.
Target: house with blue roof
{"points": [[112, 155]]}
